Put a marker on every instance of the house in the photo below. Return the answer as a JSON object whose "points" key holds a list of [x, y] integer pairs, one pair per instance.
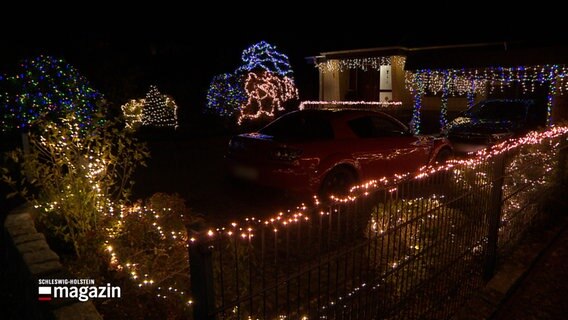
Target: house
{"points": [[447, 79]]}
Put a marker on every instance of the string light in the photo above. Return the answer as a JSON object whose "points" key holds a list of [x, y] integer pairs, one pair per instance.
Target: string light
{"points": [[444, 101], [299, 214], [417, 91], [132, 112], [266, 94], [45, 85], [259, 87], [358, 104], [265, 56], [159, 110], [138, 272], [226, 95], [472, 81], [373, 63]]}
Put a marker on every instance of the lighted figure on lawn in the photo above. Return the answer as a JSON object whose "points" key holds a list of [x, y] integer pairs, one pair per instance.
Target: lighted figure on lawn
{"points": [[45, 87], [266, 94], [259, 87]]}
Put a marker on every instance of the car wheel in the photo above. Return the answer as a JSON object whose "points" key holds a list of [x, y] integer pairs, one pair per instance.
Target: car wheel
{"points": [[443, 156], [337, 182]]}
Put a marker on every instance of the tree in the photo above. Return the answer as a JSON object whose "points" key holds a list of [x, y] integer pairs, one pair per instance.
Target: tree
{"points": [[259, 87], [226, 95], [263, 55], [46, 87]]}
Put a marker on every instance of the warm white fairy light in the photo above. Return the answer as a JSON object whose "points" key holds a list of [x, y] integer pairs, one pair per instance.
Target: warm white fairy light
{"points": [[299, 215], [373, 63], [266, 93], [356, 104], [471, 81], [132, 112], [159, 110], [178, 237]]}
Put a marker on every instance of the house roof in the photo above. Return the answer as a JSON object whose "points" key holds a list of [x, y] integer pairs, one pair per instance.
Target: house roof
{"points": [[365, 53], [477, 55], [485, 55]]}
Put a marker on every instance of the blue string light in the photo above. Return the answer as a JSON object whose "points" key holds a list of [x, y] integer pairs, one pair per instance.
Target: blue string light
{"points": [[263, 55], [45, 86], [226, 95]]}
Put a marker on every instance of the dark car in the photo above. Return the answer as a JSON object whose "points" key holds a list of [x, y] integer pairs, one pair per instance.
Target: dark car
{"points": [[492, 121], [326, 152]]}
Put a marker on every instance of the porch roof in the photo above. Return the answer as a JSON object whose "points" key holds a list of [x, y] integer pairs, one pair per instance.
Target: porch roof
{"points": [[485, 55], [477, 55], [363, 53]]}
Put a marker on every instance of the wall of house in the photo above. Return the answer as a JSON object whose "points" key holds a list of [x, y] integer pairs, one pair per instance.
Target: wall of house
{"points": [[329, 85], [399, 90]]}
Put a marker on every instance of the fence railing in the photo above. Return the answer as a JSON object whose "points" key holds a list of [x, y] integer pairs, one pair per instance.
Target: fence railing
{"points": [[413, 248]]}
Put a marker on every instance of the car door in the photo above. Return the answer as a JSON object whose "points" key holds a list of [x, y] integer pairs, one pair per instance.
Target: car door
{"points": [[386, 147]]}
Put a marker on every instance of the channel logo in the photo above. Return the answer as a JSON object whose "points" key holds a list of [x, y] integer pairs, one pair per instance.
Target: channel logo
{"points": [[68, 289]]}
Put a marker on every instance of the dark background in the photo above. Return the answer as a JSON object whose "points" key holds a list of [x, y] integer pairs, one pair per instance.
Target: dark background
{"points": [[181, 61]]}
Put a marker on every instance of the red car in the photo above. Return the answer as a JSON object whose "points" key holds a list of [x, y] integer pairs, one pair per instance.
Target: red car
{"points": [[327, 151]]}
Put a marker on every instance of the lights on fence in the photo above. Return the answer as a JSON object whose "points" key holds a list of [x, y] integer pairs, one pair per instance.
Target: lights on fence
{"points": [[291, 217]]}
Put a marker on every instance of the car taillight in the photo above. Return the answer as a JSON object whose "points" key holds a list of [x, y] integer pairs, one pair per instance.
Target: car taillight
{"points": [[286, 154]]}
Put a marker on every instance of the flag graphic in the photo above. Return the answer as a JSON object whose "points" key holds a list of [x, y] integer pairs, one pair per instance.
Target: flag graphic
{"points": [[44, 293]]}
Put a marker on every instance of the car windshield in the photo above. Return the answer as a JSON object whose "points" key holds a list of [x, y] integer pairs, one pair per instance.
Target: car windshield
{"points": [[498, 110], [300, 126]]}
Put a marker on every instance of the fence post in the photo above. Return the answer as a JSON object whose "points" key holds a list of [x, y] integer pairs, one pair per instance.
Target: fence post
{"points": [[201, 276], [494, 215]]}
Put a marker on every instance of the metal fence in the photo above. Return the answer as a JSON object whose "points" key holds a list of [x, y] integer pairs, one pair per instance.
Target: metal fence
{"points": [[412, 249]]}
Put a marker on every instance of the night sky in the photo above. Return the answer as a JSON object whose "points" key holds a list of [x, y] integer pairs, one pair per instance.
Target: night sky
{"points": [[182, 61]]}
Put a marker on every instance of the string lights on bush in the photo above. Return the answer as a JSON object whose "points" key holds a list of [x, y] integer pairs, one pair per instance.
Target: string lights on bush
{"points": [[266, 94], [159, 110], [132, 112], [226, 95], [45, 86], [259, 87], [173, 237], [265, 56]]}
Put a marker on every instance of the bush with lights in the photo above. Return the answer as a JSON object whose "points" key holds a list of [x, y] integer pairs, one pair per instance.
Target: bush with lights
{"points": [[46, 86], [260, 87], [77, 177], [156, 110]]}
